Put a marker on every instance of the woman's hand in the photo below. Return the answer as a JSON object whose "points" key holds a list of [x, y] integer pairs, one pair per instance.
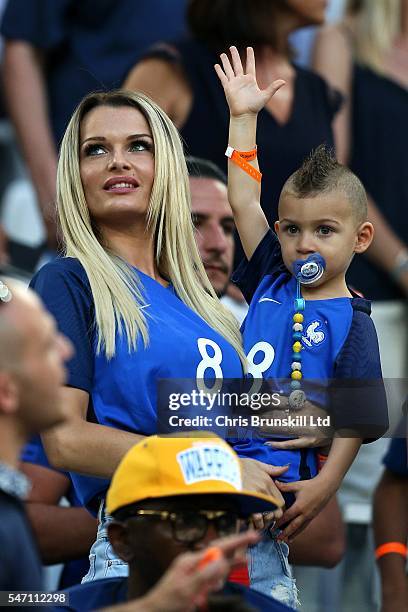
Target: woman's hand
{"points": [[258, 477], [241, 88], [311, 433]]}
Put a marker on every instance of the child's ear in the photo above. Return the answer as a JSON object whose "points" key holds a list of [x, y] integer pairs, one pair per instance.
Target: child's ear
{"points": [[365, 235], [277, 228]]}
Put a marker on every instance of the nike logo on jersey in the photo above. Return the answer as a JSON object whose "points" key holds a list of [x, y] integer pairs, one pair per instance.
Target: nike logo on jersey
{"points": [[144, 306], [266, 299]]}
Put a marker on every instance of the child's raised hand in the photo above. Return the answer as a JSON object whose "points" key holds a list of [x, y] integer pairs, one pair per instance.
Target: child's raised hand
{"points": [[240, 87]]}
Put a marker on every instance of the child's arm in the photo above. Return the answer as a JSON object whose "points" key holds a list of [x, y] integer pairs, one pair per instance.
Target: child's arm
{"points": [[245, 100], [312, 495], [342, 453]]}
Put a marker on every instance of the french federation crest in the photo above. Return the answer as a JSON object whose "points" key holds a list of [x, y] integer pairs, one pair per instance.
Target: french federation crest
{"points": [[314, 335]]}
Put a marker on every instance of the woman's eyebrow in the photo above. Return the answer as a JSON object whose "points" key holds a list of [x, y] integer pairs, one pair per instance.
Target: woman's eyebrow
{"points": [[131, 137], [140, 136]]}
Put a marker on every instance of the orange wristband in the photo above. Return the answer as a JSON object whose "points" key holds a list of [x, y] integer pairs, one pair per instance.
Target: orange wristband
{"points": [[249, 155], [391, 547], [240, 159]]}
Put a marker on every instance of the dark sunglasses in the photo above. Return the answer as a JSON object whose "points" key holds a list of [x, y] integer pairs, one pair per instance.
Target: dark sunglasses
{"points": [[190, 527]]}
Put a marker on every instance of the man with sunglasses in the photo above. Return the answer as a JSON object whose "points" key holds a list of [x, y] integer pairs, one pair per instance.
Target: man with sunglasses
{"points": [[174, 495]]}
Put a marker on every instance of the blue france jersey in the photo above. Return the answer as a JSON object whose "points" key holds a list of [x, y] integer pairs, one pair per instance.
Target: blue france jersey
{"points": [[123, 391], [329, 328]]}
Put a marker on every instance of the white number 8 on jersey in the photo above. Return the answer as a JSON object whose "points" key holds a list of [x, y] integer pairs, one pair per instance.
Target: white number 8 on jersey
{"points": [[209, 363], [257, 369]]}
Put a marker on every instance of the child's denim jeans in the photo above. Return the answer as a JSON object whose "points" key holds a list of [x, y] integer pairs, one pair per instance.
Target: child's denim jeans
{"points": [[103, 561], [269, 569]]}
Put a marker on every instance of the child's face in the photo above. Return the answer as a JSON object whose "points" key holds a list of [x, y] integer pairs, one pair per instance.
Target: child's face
{"points": [[324, 224]]}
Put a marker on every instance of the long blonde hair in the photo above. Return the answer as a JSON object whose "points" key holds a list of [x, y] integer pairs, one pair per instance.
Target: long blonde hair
{"points": [[377, 23], [116, 289]]}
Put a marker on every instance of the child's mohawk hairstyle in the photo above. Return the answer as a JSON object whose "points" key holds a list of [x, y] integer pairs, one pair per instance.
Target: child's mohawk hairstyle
{"points": [[321, 172], [317, 171]]}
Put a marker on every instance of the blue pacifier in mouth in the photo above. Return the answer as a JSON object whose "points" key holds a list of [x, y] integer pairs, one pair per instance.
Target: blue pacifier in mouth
{"points": [[309, 270], [306, 271]]}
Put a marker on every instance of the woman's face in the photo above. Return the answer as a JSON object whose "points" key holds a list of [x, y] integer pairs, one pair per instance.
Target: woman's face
{"points": [[310, 12], [116, 164]]}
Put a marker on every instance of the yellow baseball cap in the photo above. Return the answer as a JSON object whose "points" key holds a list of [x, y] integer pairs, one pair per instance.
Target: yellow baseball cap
{"points": [[162, 466]]}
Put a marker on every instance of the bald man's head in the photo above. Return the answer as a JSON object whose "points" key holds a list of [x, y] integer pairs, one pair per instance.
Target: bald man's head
{"points": [[11, 317], [32, 355]]}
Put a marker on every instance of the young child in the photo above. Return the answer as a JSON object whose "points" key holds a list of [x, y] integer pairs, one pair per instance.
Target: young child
{"points": [[327, 333]]}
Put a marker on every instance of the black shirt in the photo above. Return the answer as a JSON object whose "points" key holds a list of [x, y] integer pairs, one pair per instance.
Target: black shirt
{"points": [[379, 157], [112, 591], [20, 565]]}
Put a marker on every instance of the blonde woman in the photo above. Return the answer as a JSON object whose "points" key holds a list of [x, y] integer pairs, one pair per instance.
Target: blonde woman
{"points": [[131, 293]]}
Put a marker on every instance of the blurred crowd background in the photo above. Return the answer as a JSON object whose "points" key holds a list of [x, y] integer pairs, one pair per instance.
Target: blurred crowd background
{"points": [[55, 51]]}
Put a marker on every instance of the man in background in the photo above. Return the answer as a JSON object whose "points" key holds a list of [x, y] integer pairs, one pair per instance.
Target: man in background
{"points": [[32, 356], [171, 496]]}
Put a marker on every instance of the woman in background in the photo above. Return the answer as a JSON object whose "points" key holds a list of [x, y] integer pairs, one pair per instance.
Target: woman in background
{"points": [[365, 57]]}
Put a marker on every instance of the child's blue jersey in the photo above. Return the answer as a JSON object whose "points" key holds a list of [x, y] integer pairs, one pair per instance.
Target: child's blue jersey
{"points": [[336, 333], [123, 391]]}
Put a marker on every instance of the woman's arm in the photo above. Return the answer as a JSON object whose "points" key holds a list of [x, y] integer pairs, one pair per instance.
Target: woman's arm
{"points": [[245, 100], [166, 84], [332, 59], [25, 87], [96, 450], [83, 447]]}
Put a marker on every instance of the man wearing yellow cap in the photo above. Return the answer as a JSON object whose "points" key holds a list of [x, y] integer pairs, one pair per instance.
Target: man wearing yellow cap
{"points": [[171, 495]]}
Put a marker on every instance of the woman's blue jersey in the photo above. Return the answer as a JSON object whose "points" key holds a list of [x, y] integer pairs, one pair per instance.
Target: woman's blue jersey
{"points": [[123, 390]]}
